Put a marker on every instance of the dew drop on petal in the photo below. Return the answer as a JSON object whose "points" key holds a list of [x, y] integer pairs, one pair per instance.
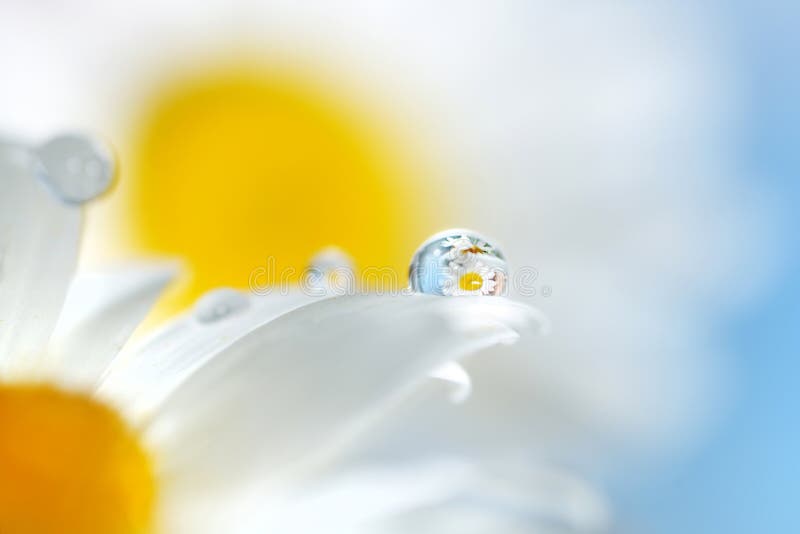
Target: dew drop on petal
{"points": [[219, 304], [76, 167], [458, 262], [330, 270]]}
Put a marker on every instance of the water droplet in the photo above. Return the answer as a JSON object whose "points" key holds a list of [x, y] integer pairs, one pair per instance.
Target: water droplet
{"points": [[330, 271], [458, 262], [220, 304], [73, 165], [76, 167]]}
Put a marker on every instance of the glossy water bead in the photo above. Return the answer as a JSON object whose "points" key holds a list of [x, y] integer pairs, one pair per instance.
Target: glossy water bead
{"points": [[458, 262], [219, 304], [76, 167], [331, 270]]}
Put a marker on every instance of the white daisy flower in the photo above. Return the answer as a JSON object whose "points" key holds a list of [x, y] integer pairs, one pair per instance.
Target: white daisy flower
{"points": [[202, 426], [471, 278]]}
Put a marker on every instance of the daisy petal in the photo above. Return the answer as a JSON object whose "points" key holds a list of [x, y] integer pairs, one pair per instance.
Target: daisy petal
{"points": [[313, 376], [325, 504], [438, 496], [523, 501], [38, 249], [101, 312], [143, 376], [338, 502]]}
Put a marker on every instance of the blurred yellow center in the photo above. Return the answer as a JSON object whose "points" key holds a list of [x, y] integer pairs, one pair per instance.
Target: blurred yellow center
{"points": [[235, 167], [69, 465], [471, 281]]}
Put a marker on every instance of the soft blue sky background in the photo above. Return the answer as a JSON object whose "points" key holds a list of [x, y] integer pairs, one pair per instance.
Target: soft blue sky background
{"points": [[746, 478]]}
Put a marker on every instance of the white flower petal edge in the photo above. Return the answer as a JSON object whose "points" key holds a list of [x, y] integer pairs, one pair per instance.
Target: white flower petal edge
{"points": [[142, 376], [379, 493], [101, 312], [281, 395], [514, 499], [437, 496], [38, 252], [333, 502]]}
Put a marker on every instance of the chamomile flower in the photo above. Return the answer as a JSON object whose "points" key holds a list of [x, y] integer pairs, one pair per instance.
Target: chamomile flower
{"points": [[471, 278], [185, 430]]}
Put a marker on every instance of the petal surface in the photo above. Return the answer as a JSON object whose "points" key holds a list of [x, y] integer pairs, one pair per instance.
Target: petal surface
{"points": [[521, 500], [423, 496], [38, 250], [144, 375], [306, 381], [101, 312]]}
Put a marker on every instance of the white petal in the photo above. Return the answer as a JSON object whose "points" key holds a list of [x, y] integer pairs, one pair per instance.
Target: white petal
{"points": [[564, 396], [38, 250], [313, 376], [522, 501], [358, 496], [336, 503], [437, 496], [101, 312], [144, 375]]}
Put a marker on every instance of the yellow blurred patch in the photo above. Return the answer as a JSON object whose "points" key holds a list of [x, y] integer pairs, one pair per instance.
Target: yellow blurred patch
{"points": [[242, 164], [69, 464]]}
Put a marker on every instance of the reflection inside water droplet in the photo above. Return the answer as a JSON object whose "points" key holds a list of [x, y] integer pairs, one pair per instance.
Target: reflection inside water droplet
{"points": [[458, 262], [330, 271], [220, 304]]}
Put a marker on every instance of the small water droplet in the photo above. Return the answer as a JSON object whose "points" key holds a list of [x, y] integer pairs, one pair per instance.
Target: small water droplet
{"points": [[93, 169], [76, 167], [331, 270], [458, 262], [73, 165], [220, 304]]}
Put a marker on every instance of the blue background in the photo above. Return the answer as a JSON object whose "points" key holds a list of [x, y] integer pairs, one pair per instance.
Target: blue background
{"points": [[746, 477]]}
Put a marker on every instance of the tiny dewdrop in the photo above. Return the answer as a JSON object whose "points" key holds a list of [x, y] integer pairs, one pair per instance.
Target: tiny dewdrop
{"points": [[78, 168], [329, 272], [219, 304], [458, 262]]}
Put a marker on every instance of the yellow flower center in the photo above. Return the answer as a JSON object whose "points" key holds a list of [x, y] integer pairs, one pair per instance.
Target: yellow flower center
{"points": [[470, 281], [238, 165], [69, 465]]}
